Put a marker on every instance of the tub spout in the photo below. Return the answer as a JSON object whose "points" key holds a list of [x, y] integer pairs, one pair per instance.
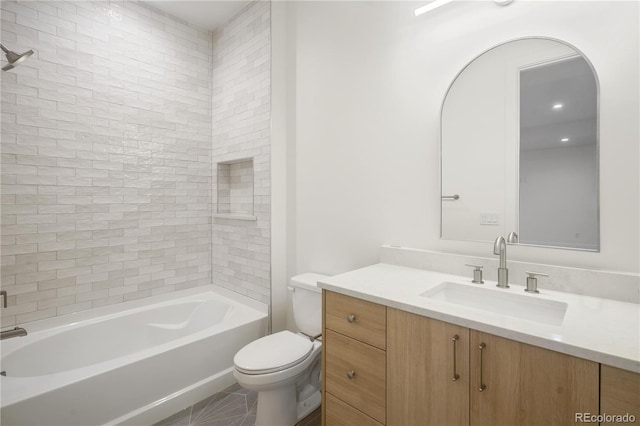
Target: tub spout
{"points": [[16, 332]]}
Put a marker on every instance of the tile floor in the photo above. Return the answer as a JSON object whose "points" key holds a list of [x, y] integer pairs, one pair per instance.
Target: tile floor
{"points": [[233, 406]]}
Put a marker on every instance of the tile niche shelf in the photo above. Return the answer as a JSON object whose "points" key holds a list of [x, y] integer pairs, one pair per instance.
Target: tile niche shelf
{"points": [[235, 190]]}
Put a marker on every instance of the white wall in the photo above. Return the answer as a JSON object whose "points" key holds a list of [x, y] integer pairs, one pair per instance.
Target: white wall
{"points": [[369, 82], [559, 197], [474, 154]]}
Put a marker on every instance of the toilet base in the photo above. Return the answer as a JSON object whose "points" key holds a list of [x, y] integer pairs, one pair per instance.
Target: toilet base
{"points": [[275, 408], [307, 406]]}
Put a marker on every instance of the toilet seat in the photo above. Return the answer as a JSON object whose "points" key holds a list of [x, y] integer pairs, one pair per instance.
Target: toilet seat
{"points": [[276, 352]]}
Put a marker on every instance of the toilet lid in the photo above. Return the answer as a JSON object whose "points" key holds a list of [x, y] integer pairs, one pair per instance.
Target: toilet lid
{"points": [[273, 353]]}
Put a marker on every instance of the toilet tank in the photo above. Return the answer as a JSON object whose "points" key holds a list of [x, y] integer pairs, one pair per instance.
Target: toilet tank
{"points": [[306, 299]]}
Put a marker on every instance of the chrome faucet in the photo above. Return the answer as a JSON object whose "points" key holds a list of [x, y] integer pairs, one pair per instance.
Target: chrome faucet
{"points": [[500, 249], [14, 332]]}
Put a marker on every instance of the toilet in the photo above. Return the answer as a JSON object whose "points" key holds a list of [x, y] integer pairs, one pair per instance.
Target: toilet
{"points": [[284, 367]]}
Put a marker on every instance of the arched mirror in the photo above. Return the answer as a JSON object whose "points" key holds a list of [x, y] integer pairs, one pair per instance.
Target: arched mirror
{"points": [[519, 146]]}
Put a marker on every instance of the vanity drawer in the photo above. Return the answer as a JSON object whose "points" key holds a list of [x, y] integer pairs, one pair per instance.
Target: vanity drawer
{"points": [[339, 413], [357, 318], [356, 373]]}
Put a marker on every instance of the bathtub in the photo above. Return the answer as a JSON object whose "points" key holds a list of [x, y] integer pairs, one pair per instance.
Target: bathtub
{"points": [[134, 363]]}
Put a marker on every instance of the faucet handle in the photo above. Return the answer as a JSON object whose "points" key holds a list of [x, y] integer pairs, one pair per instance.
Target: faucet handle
{"points": [[532, 281], [477, 273]]}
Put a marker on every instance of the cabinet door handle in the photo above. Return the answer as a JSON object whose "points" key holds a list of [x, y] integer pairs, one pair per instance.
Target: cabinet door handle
{"points": [[482, 385], [351, 374], [351, 318], [455, 372]]}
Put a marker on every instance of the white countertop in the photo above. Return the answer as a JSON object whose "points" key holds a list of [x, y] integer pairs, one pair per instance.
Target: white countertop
{"points": [[601, 330]]}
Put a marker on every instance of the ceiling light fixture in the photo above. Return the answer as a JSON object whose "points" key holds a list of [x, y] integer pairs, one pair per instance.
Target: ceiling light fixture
{"points": [[564, 140], [437, 3], [557, 106]]}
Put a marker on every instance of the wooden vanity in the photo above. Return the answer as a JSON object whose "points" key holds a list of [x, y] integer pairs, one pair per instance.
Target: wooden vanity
{"points": [[386, 366]]}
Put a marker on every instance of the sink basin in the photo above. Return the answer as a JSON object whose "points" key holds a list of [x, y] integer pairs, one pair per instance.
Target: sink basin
{"points": [[502, 302]]}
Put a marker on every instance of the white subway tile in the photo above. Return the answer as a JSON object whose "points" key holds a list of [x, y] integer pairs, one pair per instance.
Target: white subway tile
{"points": [[118, 157], [76, 307], [35, 315]]}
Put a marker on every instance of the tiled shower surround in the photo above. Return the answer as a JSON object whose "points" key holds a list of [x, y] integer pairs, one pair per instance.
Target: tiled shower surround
{"points": [[241, 131], [107, 168]]}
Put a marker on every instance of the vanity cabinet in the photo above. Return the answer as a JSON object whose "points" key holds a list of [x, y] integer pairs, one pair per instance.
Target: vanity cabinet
{"points": [[619, 393], [388, 366], [354, 361]]}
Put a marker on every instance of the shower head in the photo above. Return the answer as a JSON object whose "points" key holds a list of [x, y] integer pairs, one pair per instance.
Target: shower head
{"points": [[14, 58]]}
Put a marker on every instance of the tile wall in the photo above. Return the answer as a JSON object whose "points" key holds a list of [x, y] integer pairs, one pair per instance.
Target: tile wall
{"points": [[107, 157], [241, 131]]}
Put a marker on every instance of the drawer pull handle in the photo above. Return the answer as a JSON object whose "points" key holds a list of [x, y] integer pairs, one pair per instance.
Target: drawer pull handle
{"points": [[351, 318], [455, 373], [482, 385], [351, 374]]}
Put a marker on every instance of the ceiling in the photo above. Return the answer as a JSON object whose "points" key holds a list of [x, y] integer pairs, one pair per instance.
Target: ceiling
{"points": [[571, 86], [206, 14]]}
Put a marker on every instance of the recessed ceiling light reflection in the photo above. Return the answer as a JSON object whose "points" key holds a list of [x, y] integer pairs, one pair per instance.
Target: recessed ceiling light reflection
{"points": [[557, 106]]}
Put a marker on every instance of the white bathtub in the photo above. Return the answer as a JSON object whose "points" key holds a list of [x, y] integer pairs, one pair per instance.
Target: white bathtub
{"points": [[135, 363]]}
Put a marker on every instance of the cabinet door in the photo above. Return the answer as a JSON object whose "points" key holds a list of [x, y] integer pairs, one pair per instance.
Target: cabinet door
{"points": [[420, 370], [526, 385], [619, 393]]}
